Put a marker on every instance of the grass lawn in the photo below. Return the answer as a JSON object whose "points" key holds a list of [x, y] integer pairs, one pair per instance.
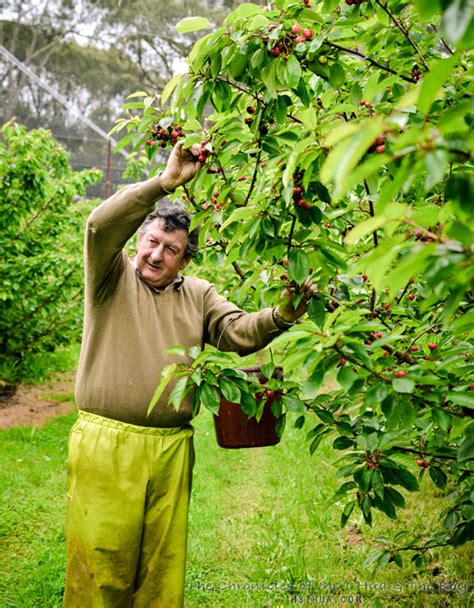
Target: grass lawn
{"points": [[261, 530]]}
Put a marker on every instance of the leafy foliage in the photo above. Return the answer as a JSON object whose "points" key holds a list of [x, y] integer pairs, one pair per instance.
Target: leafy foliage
{"points": [[346, 152], [41, 240]]}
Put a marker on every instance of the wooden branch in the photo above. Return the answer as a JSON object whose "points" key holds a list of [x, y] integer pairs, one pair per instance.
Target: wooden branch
{"points": [[405, 32], [370, 60]]}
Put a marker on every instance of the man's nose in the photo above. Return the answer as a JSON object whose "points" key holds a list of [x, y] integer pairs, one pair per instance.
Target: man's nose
{"points": [[157, 252]]}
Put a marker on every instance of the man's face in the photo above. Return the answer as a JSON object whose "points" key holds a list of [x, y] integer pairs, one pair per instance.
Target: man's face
{"points": [[160, 254]]}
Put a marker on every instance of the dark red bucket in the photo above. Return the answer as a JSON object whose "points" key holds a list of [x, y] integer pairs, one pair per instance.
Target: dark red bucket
{"points": [[235, 430]]}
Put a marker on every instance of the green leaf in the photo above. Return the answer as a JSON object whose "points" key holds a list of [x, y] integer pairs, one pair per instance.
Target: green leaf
{"points": [[243, 11], [403, 385], [347, 154], [210, 398], [433, 82], [464, 399], [316, 312], [292, 72], [125, 141], [438, 476], [166, 376], [364, 228], [298, 266], [466, 449], [428, 8], [170, 87], [230, 390], [405, 479], [348, 508], [293, 405], [394, 495], [337, 75], [376, 394], [238, 214], [342, 443], [346, 377], [178, 392], [192, 24], [408, 268]]}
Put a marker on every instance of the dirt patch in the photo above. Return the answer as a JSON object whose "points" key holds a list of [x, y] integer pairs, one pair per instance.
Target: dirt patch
{"points": [[34, 405], [354, 536]]}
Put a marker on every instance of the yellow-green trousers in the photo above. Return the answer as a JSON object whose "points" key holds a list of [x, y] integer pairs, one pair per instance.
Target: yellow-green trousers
{"points": [[128, 496]]}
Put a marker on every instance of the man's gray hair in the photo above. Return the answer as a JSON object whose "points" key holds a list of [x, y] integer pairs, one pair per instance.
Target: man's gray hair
{"points": [[174, 217]]}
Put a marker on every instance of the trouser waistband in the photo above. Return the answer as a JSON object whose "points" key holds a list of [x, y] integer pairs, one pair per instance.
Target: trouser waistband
{"points": [[131, 428]]}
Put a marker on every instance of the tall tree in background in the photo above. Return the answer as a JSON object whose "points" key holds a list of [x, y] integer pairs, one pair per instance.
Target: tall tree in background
{"points": [[94, 52]]}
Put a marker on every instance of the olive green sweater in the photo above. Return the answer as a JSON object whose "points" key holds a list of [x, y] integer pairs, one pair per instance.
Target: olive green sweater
{"points": [[128, 326]]}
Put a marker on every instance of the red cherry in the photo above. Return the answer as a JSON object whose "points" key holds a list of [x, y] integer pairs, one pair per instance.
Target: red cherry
{"points": [[411, 296], [202, 158], [296, 29], [175, 134], [342, 361], [276, 51], [299, 39], [380, 149], [377, 334], [149, 142], [386, 353], [270, 394], [364, 277], [284, 276], [308, 34], [251, 110], [414, 348], [432, 346], [422, 463], [400, 374], [386, 306]]}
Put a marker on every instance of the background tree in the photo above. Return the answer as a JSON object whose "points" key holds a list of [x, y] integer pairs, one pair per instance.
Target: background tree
{"points": [[342, 149], [41, 239]]}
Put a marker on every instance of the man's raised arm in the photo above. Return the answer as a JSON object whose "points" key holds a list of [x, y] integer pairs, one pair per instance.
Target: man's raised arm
{"points": [[112, 223]]}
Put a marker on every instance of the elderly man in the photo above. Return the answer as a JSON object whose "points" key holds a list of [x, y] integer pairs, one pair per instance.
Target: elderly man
{"points": [[129, 475]]}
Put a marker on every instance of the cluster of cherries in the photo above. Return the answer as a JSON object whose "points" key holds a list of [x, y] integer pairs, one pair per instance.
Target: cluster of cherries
{"points": [[285, 45], [268, 395], [354, 2], [164, 136], [298, 197], [378, 145], [416, 73]]}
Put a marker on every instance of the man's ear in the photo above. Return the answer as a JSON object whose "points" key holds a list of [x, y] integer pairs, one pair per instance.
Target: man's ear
{"points": [[184, 263]]}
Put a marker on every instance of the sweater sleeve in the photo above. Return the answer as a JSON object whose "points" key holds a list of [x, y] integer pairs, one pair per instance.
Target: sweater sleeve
{"points": [[231, 329], [108, 228]]}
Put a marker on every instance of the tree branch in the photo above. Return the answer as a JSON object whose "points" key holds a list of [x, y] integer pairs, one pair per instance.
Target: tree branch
{"points": [[370, 60], [405, 32]]}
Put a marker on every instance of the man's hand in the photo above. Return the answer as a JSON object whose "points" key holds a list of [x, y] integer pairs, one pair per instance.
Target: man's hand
{"points": [[286, 309], [183, 164]]}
